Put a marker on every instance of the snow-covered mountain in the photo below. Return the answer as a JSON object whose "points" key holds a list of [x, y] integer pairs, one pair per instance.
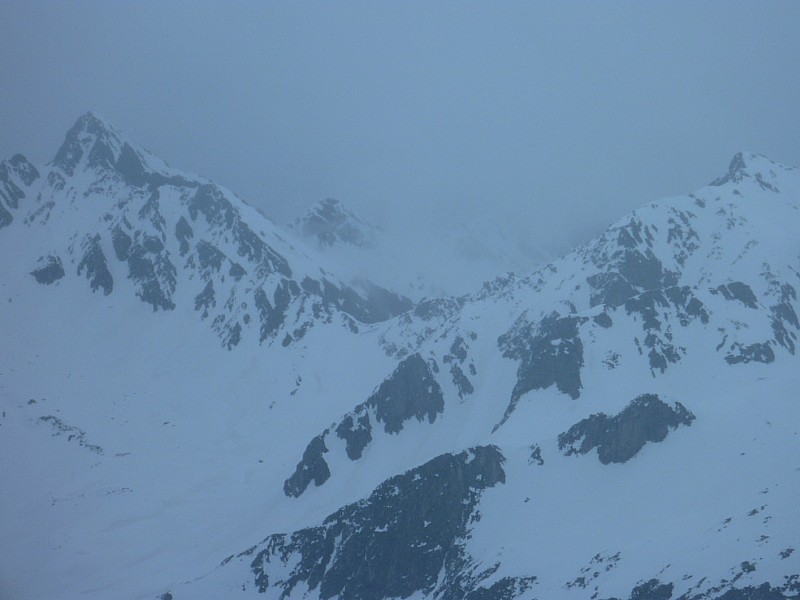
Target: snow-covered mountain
{"points": [[621, 423]]}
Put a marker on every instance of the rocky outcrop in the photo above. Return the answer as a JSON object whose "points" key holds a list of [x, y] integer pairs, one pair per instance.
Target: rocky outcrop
{"points": [[49, 270], [621, 437], [410, 392], [550, 353], [312, 467], [407, 537], [93, 263]]}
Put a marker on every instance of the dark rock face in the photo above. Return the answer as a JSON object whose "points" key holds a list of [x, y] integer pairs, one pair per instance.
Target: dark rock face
{"points": [[5, 217], [236, 271], [603, 319], [550, 353], [153, 273], [619, 438], [762, 353], [652, 590], [14, 172], [628, 265], [681, 235], [462, 383], [610, 289], [644, 270], [205, 300], [209, 258], [507, 588], [457, 358], [272, 314], [184, 233], [410, 392], [737, 290], [406, 537], [130, 167], [784, 318], [49, 270], [312, 468], [658, 336], [763, 592], [121, 242], [357, 432], [95, 265], [23, 169], [655, 590]]}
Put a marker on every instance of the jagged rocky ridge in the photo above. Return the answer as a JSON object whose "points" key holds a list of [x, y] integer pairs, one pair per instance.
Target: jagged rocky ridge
{"points": [[122, 214]]}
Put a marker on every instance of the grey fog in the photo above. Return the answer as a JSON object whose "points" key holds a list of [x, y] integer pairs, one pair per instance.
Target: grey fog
{"points": [[542, 121]]}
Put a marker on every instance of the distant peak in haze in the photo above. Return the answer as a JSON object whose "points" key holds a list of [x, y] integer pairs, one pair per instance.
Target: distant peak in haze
{"points": [[750, 165], [331, 223]]}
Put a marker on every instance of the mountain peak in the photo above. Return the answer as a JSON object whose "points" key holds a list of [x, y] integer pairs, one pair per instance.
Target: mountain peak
{"points": [[329, 222], [748, 165], [92, 123], [90, 141]]}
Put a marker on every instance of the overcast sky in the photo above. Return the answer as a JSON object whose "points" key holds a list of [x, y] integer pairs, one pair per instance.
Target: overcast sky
{"points": [[556, 117]]}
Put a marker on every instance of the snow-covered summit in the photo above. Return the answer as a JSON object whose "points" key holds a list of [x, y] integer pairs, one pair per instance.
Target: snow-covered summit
{"points": [[759, 168]]}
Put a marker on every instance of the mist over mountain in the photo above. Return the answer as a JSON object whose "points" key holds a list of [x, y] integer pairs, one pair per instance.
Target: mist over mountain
{"points": [[428, 261], [199, 403]]}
